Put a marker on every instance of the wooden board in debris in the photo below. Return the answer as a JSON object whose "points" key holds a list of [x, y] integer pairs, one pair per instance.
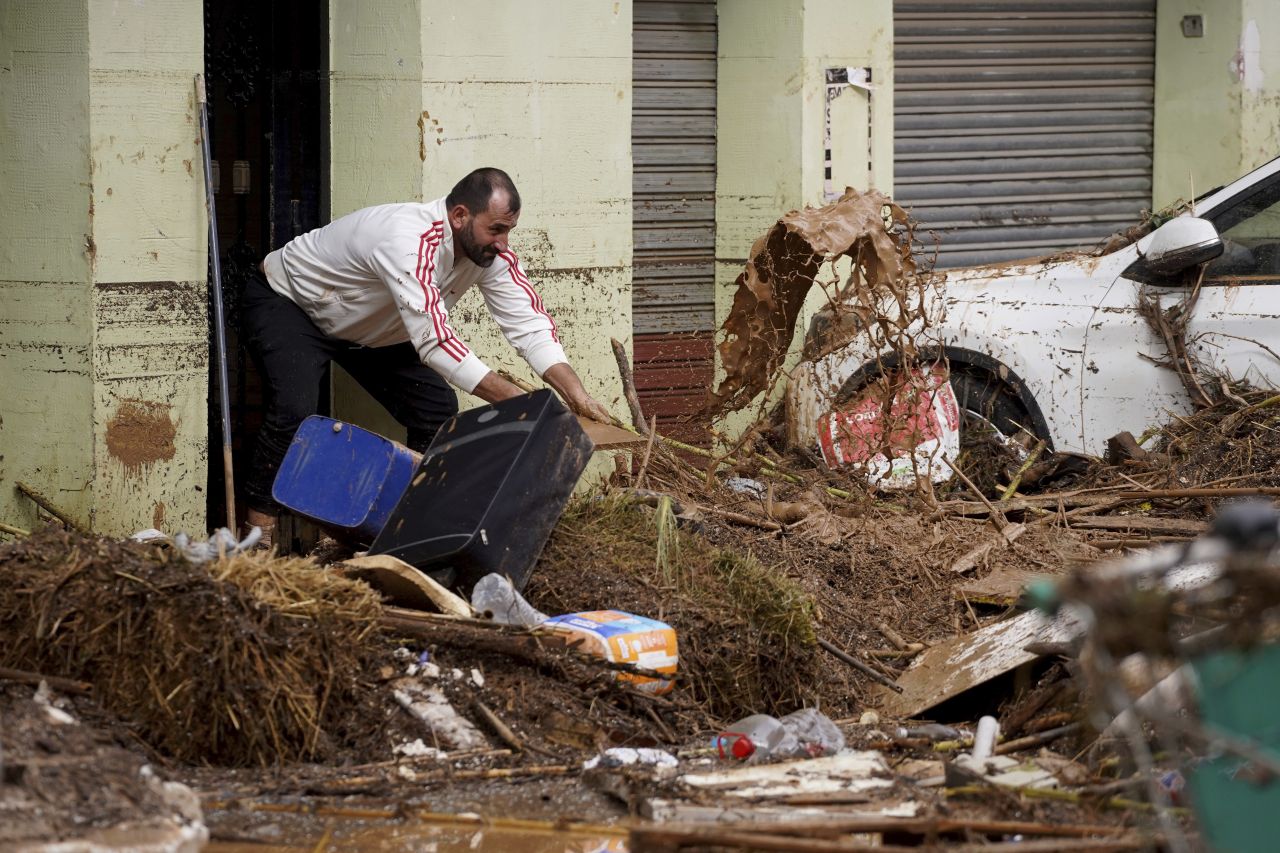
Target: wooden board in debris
{"points": [[1001, 586], [961, 663], [405, 586], [607, 436], [846, 772], [661, 810]]}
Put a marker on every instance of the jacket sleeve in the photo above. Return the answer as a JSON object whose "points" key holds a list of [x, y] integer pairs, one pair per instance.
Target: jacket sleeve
{"points": [[518, 310], [408, 268]]}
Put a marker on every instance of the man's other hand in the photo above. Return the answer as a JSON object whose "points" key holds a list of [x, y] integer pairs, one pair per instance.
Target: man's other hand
{"points": [[494, 389], [567, 384], [589, 407]]}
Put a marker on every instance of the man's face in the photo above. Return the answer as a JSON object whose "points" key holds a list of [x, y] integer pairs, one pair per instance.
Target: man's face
{"points": [[483, 235]]}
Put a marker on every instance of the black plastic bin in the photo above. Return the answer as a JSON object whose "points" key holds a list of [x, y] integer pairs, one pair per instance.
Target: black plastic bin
{"points": [[489, 491]]}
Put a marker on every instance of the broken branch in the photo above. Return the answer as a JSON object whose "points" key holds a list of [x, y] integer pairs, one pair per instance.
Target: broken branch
{"points": [[49, 506], [629, 386], [1257, 491], [66, 685], [1037, 739], [859, 665], [1017, 477], [501, 729]]}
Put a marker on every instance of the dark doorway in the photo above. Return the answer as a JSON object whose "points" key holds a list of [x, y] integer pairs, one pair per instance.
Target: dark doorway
{"points": [[267, 70]]}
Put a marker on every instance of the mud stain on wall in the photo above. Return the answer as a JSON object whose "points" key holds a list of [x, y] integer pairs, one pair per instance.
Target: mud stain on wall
{"points": [[141, 433]]}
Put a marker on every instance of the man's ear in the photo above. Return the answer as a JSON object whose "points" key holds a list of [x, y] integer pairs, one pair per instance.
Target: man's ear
{"points": [[458, 215]]}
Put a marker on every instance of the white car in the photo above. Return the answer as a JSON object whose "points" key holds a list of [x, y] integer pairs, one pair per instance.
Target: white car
{"points": [[1061, 348]]}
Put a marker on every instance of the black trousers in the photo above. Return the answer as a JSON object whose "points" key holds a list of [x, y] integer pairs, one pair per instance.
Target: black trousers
{"points": [[291, 353]]}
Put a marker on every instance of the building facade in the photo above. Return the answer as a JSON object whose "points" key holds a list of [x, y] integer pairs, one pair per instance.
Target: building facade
{"points": [[652, 142]]}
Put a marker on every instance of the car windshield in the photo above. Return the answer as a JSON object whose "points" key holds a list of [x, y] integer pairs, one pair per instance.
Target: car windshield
{"points": [[1250, 230]]}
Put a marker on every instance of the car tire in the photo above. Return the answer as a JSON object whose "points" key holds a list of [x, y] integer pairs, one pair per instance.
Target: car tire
{"points": [[983, 396]]}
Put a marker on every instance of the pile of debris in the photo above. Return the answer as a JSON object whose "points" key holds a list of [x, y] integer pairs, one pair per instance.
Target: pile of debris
{"points": [[871, 639]]}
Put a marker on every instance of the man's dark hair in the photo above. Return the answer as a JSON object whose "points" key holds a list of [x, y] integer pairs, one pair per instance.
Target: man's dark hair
{"points": [[477, 188]]}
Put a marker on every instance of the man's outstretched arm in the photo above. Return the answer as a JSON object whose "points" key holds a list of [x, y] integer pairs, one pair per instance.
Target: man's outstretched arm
{"points": [[567, 384]]}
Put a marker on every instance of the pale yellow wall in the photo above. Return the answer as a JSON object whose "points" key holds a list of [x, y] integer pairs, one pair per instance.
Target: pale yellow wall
{"points": [[1260, 99], [45, 232], [102, 263], [1217, 97], [542, 90], [150, 357], [773, 56]]}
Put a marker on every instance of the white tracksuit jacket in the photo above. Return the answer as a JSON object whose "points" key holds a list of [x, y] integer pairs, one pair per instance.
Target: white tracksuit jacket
{"points": [[389, 274]]}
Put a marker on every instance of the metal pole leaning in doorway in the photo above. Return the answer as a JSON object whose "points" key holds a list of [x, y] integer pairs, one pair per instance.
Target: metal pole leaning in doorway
{"points": [[219, 316]]}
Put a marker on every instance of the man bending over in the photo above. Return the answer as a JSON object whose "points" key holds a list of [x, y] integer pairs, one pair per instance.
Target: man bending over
{"points": [[372, 291]]}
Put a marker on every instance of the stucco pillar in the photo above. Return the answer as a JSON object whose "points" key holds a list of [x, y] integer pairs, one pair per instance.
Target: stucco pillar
{"points": [[1217, 95], [149, 266], [771, 138], [102, 264]]}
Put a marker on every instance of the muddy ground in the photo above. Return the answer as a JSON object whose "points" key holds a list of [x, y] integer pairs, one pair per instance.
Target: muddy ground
{"points": [[751, 582]]}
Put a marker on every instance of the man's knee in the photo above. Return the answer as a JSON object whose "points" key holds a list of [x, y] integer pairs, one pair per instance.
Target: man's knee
{"points": [[290, 405]]}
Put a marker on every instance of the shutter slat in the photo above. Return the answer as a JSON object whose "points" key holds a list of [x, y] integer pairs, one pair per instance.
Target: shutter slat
{"points": [[673, 145], [1022, 127]]}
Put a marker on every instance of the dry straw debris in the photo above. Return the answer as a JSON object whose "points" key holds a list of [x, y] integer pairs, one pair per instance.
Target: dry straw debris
{"points": [[252, 661]]}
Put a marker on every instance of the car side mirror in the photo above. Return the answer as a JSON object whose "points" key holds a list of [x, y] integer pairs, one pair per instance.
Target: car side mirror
{"points": [[1179, 244]]}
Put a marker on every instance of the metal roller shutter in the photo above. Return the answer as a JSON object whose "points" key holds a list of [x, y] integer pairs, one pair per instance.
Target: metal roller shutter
{"points": [[1022, 127], [673, 145]]}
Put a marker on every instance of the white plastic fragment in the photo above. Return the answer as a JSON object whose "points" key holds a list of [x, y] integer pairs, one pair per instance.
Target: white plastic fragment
{"points": [[625, 756], [984, 739], [430, 706], [416, 749], [222, 543]]}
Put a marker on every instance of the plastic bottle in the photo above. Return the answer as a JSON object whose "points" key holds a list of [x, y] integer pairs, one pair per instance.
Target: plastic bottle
{"points": [[493, 597], [752, 738], [807, 733]]}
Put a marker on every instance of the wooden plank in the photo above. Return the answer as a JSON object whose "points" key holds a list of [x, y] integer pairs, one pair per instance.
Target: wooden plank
{"points": [[404, 585], [847, 772], [1001, 585], [961, 663], [1139, 523], [607, 436]]}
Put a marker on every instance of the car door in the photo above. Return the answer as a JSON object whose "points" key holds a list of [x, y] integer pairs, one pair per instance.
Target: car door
{"points": [[1235, 328]]}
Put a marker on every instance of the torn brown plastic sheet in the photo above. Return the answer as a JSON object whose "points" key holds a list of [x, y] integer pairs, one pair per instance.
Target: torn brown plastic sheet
{"points": [[867, 227]]}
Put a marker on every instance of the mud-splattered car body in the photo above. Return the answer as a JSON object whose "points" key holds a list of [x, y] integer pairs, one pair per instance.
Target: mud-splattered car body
{"points": [[1066, 337]]}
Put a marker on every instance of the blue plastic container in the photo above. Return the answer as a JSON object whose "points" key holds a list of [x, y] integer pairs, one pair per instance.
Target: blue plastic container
{"points": [[343, 477]]}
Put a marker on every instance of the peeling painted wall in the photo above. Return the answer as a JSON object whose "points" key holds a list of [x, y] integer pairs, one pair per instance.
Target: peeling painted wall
{"points": [[102, 263], [46, 409], [770, 108], [150, 354], [542, 90], [1217, 96]]}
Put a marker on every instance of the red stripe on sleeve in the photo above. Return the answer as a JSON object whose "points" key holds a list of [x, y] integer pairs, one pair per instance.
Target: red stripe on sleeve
{"points": [[445, 336], [518, 276]]}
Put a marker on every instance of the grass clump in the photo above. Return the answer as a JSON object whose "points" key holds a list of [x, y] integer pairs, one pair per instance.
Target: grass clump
{"points": [[746, 631]]}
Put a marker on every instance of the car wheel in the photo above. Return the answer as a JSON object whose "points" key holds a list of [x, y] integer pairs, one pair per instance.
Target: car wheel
{"points": [[987, 404]]}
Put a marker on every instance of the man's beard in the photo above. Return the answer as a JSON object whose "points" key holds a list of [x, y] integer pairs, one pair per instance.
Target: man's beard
{"points": [[471, 248]]}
